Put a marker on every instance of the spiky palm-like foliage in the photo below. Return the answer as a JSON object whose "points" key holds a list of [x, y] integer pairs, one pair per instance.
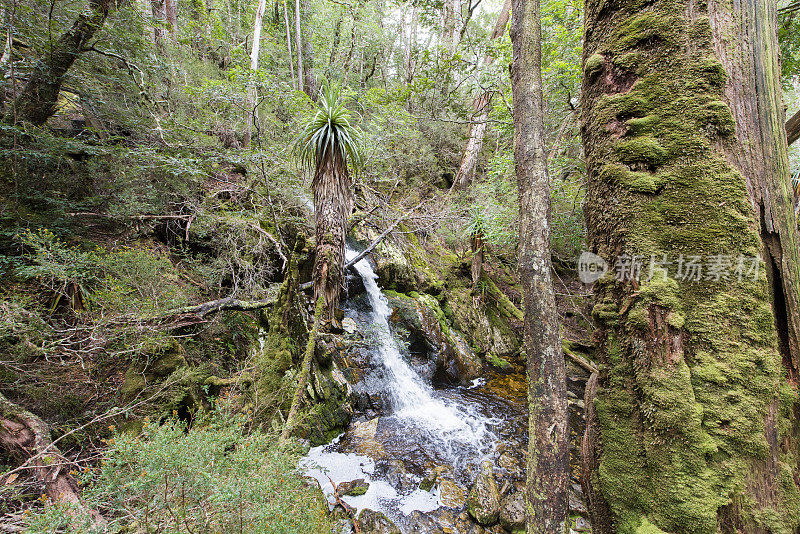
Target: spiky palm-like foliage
{"points": [[325, 146]]}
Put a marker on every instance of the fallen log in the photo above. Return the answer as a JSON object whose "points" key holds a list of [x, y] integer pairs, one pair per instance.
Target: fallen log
{"points": [[26, 437]]}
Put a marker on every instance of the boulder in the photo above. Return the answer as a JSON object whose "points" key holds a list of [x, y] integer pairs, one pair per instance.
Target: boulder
{"points": [[483, 501], [353, 488], [372, 522], [451, 494], [512, 511]]}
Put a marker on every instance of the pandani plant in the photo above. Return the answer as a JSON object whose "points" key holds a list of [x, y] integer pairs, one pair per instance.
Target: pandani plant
{"points": [[329, 143]]}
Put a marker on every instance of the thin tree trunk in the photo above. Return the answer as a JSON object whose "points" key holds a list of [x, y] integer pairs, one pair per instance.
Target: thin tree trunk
{"points": [[334, 46], [299, 43], [250, 107], [448, 27], [289, 44], [171, 12], [548, 443], [8, 44], [481, 106], [158, 9], [37, 101], [412, 43], [692, 419], [793, 128], [309, 80]]}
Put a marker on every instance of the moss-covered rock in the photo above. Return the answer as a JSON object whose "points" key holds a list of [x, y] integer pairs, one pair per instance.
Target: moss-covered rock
{"points": [[372, 522], [483, 501]]}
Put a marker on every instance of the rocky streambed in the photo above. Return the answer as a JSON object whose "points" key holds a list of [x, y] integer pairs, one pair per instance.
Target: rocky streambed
{"points": [[430, 448]]}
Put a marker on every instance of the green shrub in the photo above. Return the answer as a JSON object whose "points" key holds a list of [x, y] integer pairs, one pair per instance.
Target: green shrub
{"points": [[213, 477]]}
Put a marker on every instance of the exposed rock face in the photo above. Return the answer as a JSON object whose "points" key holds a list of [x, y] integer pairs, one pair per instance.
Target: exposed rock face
{"points": [[483, 502], [512, 511], [372, 522], [423, 317]]}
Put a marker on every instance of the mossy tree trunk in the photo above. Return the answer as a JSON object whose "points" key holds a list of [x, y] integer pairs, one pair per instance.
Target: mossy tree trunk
{"points": [[548, 444], [37, 101], [692, 419]]}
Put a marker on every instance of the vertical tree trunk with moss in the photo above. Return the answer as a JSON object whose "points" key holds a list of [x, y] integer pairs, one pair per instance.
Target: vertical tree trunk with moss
{"points": [[158, 9], [37, 101], [692, 420], [548, 444]]}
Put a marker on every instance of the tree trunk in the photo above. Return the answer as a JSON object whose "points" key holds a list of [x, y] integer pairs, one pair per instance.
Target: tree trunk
{"points": [[481, 105], [309, 81], [412, 44], [250, 107], [548, 444], [692, 421], [298, 43], [333, 199], [171, 12], [159, 11], [289, 44], [37, 101], [26, 437], [793, 128]]}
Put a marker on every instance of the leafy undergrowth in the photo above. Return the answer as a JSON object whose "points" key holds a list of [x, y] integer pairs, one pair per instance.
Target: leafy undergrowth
{"points": [[212, 477]]}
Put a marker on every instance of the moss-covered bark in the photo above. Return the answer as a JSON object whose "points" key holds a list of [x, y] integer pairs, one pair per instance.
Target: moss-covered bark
{"points": [[691, 420]]}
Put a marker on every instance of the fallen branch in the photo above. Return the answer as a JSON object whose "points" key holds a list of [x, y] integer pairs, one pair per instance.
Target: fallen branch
{"points": [[27, 437], [580, 361], [227, 303]]}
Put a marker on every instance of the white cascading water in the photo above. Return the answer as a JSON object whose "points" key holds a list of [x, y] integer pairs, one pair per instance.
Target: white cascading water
{"points": [[412, 399], [449, 429]]}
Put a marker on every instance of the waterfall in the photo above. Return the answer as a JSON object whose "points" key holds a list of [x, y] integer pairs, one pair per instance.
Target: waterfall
{"points": [[412, 399]]}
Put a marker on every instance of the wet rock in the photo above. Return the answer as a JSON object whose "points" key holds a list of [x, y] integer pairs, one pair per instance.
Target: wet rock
{"points": [[420, 523], [363, 436], [398, 476], [353, 488], [451, 494], [508, 462], [342, 526], [349, 325], [483, 502], [455, 358], [372, 522], [464, 524], [512, 511]]}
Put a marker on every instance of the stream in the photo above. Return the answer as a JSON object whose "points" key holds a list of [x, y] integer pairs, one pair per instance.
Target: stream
{"points": [[422, 447]]}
